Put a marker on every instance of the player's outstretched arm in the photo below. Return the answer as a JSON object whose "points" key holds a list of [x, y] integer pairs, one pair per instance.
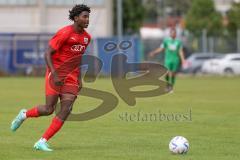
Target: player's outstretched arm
{"points": [[156, 51], [182, 57]]}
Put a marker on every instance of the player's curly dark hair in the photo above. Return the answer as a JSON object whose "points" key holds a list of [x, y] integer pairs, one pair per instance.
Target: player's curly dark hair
{"points": [[78, 9]]}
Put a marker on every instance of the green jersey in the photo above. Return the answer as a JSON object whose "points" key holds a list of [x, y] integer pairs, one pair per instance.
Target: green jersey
{"points": [[172, 48]]}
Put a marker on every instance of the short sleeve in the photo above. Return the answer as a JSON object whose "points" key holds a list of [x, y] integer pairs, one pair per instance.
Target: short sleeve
{"points": [[58, 39]]}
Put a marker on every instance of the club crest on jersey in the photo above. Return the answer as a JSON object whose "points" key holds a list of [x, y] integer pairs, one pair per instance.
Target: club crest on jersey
{"points": [[85, 40]]}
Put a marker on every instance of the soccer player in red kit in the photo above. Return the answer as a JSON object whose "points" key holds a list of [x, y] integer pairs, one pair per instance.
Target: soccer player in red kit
{"points": [[63, 59]]}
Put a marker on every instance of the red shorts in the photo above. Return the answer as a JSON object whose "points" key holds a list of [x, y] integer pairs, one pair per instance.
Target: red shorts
{"points": [[71, 85]]}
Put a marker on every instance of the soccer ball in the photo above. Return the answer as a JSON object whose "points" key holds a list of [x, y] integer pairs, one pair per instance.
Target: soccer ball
{"points": [[179, 145]]}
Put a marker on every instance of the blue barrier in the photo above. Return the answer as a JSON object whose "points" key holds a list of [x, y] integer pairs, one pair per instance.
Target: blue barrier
{"points": [[6, 53], [108, 47], [20, 51]]}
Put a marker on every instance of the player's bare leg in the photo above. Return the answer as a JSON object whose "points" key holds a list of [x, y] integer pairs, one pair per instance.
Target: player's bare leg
{"points": [[67, 101], [48, 109], [40, 110]]}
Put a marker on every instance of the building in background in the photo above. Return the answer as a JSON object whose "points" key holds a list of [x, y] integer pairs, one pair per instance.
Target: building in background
{"points": [[47, 16]]}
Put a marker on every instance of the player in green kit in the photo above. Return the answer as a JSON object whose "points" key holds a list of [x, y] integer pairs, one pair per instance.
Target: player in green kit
{"points": [[174, 56]]}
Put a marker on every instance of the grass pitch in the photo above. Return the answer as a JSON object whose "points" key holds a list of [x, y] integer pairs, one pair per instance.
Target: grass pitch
{"points": [[208, 108]]}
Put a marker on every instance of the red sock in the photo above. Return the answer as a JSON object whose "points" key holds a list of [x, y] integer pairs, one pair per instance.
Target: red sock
{"points": [[53, 128], [32, 112]]}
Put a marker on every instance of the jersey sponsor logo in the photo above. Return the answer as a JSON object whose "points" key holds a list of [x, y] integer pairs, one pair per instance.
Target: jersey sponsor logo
{"points": [[78, 48], [173, 47]]}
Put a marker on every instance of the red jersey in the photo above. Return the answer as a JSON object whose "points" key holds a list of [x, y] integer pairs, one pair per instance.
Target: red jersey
{"points": [[69, 46]]}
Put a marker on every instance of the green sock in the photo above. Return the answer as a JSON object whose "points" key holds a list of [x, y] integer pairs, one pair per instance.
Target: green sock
{"points": [[172, 80], [167, 78]]}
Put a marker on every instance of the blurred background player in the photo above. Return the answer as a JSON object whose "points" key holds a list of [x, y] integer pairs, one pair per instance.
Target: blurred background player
{"points": [[174, 55], [63, 58]]}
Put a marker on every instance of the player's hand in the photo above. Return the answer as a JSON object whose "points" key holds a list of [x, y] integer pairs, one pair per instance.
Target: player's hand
{"points": [[151, 55], [184, 63], [57, 80]]}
